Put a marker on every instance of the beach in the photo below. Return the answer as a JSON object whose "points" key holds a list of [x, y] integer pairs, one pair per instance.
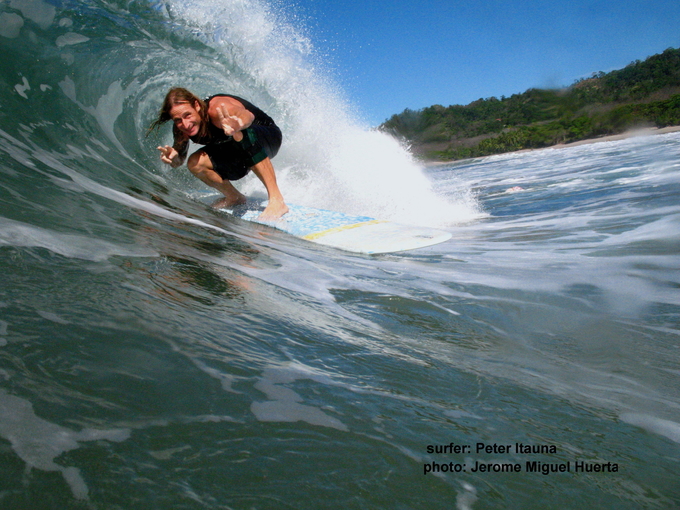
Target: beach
{"points": [[645, 131]]}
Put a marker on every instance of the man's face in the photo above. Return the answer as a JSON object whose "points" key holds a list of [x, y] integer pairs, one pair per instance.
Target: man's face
{"points": [[186, 118]]}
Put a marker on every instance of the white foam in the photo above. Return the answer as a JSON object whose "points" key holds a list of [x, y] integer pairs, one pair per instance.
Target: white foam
{"points": [[10, 25], [23, 87], [666, 428], [39, 442], [70, 39], [284, 404], [38, 11], [15, 233], [109, 106], [53, 317], [466, 497]]}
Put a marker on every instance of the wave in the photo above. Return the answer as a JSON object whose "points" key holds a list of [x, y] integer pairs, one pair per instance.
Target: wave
{"points": [[84, 80]]}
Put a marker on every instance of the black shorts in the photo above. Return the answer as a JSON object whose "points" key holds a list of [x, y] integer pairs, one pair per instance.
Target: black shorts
{"points": [[233, 160]]}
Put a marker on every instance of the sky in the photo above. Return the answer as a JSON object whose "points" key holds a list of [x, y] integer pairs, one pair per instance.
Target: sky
{"points": [[390, 55]]}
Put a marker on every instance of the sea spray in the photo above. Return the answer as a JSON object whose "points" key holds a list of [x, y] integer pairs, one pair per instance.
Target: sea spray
{"points": [[328, 159]]}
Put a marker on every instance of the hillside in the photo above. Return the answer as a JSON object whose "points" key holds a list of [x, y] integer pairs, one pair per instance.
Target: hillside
{"points": [[645, 93]]}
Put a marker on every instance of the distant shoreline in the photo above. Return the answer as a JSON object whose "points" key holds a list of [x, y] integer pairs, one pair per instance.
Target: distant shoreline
{"points": [[633, 133]]}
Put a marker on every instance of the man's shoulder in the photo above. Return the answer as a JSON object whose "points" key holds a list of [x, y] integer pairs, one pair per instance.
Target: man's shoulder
{"points": [[215, 101]]}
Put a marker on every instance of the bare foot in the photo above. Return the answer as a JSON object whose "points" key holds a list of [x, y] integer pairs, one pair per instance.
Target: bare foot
{"points": [[232, 196], [224, 203], [274, 210]]}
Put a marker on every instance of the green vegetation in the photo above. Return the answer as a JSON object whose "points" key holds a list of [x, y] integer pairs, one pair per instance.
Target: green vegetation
{"points": [[642, 94]]}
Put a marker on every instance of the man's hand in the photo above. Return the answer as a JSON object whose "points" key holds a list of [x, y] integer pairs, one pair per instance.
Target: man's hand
{"points": [[169, 155], [231, 124]]}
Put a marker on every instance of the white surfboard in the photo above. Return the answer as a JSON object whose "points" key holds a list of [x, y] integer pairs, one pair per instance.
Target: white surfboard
{"points": [[359, 234]]}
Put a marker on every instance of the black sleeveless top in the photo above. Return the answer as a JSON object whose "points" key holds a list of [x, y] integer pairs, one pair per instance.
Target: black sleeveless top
{"points": [[217, 135]]}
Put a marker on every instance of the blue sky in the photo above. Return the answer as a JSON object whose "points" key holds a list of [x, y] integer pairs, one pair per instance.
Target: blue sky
{"points": [[388, 55]]}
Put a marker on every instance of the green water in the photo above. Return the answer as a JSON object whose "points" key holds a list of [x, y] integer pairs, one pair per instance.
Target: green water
{"points": [[157, 354]]}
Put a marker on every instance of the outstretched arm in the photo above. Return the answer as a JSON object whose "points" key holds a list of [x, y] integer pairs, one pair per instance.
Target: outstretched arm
{"points": [[175, 155], [231, 116]]}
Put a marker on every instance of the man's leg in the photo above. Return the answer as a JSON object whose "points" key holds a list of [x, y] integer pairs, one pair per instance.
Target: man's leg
{"points": [[200, 165], [277, 207]]}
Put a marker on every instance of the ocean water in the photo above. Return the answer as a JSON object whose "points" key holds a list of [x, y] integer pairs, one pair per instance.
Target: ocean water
{"points": [[156, 354]]}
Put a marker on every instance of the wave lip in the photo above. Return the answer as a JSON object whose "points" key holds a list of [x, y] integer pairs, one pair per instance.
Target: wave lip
{"points": [[15, 233]]}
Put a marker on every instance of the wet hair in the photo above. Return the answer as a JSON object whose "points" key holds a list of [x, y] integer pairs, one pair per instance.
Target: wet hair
{"points": [[179, 95]]}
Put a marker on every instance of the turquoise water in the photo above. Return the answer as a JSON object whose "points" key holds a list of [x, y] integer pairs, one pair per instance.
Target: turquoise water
{"points": [[155, 353]]}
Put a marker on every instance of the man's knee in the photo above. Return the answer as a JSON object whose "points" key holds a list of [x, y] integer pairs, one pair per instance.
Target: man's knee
{"points": [[198, 162]]}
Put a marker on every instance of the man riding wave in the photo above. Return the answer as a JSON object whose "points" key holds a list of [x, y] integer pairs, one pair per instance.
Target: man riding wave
{"points": [[236, 136]]}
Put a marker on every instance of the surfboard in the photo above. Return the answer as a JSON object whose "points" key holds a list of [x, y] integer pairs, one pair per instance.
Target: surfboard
{"points": [[359, 234]]}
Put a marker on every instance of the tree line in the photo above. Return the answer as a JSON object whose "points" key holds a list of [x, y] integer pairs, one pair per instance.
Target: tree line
{"points": [[644, 93]]}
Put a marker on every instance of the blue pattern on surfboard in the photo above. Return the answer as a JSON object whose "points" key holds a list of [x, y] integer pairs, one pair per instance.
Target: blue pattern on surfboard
{"points": [[300, 220], [357, 234]]}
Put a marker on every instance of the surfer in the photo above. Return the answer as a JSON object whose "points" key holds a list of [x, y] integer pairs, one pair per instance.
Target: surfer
{"points": [[237, 137]]}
